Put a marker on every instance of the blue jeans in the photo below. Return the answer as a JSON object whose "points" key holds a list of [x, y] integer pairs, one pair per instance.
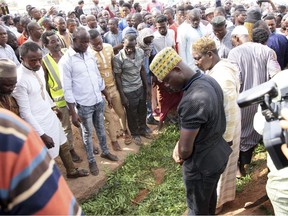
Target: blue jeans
{"points": [[93, 115]]}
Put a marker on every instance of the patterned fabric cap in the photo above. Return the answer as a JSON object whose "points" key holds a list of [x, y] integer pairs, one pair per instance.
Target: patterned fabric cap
{"points": [[164, 62]]}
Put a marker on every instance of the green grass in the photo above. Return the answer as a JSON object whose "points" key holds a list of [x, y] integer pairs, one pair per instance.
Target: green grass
{"points": [[117, 197], [242, 182]]}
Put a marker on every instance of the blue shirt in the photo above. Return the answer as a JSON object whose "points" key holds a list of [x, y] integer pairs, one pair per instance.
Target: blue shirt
{"points": [[113, 39], [279, 44], [122, 24]]}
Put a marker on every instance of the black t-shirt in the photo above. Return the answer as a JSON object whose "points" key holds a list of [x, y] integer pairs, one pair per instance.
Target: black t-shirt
{"points": [[202, 107]]}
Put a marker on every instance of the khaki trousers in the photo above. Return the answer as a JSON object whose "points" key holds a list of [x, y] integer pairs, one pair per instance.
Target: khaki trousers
{"points": [[119, 110], [66, 125]]}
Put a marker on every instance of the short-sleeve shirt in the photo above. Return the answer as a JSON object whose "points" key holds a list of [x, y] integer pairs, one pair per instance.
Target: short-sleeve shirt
{"points": [[202, 107], [129, 69], [160, 42], [113, 39]]}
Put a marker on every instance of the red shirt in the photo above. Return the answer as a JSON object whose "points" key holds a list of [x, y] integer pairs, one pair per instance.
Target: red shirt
{"points": [[151, 5], [21, 39], [174, 27]]}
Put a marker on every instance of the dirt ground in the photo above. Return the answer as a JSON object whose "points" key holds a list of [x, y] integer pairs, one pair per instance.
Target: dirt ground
{"points": [[251, 193], [83, 188]]}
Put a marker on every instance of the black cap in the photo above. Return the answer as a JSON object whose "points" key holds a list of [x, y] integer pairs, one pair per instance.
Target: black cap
{"points": [[239, 8]]}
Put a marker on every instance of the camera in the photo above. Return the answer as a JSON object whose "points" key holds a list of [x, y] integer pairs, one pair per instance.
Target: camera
{"points": [[272, 99]]}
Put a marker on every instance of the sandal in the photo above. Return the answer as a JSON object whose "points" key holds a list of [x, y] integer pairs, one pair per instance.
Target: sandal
{"points": [[78, 173], [127, 139]]}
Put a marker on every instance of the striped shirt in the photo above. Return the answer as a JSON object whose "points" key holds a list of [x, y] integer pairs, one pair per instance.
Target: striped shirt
{"points": [[30, 182], [129, 69], [256, 63]]}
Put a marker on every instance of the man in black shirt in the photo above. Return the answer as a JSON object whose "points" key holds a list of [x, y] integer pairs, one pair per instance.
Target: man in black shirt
{"points": [[201, 148]]}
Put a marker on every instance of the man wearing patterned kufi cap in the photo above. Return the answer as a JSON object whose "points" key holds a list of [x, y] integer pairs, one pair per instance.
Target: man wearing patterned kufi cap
{"points": [[226, 74], [8, 80], [201, 147]]}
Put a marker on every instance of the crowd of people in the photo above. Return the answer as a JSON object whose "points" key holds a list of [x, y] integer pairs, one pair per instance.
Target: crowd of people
{"points": [[153, 65]]}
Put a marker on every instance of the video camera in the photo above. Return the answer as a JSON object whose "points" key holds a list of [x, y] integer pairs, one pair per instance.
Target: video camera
{"points": [[271, 105]]}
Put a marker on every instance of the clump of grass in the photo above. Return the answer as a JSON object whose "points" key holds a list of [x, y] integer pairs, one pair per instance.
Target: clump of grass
{"points": [[242, 182], [118, 195]]}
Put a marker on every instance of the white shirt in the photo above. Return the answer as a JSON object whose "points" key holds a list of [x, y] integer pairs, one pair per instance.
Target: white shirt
{"points": [[160, 42], [8, 52], [35, 110], [14, 30], [44, 50], [80, 77], [186, 36]]}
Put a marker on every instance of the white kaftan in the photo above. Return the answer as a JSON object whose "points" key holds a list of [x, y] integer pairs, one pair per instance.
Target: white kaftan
{"points": [[35, 110], [227, 76]]}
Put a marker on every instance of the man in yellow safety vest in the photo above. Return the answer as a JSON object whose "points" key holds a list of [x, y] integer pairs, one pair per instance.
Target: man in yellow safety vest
{"points": [[54, 86]]}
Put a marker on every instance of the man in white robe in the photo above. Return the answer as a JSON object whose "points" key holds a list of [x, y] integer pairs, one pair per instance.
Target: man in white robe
{"points": [[36, 107]]}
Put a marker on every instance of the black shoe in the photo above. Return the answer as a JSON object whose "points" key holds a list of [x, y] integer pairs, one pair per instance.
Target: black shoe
{"points": [[93, 168], [152, 121], [109, 156]]}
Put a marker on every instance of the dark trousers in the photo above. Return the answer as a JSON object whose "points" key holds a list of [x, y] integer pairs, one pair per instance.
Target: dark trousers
{"points": [[136, 111], [201, 193], [246, 157]]}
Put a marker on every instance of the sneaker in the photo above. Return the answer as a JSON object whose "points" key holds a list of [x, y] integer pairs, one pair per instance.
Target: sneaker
{"points": [[109, 156], [137, 140], [93, 168]]}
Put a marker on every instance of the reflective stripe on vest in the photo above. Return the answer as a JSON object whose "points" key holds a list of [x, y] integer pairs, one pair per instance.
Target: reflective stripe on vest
{"points": [[53, 73], [53, 76], [58, 99]]}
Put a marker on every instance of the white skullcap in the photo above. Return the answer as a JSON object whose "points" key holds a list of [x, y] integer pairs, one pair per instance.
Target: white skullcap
{"points": [[209, 11], [7, 68], [240, 30]]}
